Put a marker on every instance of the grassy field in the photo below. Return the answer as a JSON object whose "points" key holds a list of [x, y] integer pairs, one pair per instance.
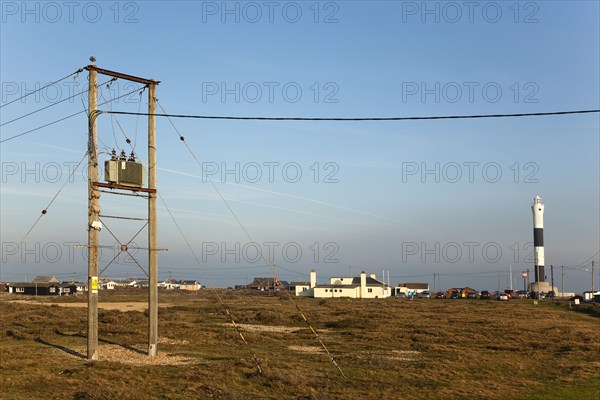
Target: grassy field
{"points": [[388, 349]]}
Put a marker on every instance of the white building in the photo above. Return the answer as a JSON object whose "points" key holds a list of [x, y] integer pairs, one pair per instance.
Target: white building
{"points": [[411, 288], [360, 287]]}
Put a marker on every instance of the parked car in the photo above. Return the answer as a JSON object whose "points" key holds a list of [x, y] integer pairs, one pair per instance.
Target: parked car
{"points": [[471, 295], [503, 297], [425, 294], [440, 295], [455, 295], [401, 295], [485, 295], [522, 294], [538, 295]]}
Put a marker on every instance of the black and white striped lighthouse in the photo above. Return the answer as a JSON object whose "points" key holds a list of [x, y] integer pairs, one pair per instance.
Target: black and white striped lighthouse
{"points": [[538, 238]]}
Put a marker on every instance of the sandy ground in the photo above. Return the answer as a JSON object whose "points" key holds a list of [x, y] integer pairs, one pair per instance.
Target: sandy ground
{"points": [[131, 356], [121, 306], [272, 328]]}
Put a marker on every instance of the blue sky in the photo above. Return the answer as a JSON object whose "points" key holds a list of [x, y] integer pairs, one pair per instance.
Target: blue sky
{"points": [[362, 199]]}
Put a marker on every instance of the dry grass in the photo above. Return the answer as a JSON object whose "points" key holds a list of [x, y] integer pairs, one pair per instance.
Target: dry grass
{"points": [[388, 349]]}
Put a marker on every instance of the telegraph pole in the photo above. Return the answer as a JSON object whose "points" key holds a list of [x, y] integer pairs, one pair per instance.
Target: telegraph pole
{"points": [[552, 280], [152, 234], [92, 345], [498, 281], [562, 280], [94, 222], [592, 279]]}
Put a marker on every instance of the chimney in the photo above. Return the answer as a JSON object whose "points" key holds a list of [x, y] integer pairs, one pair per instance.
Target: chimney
{"points": [[313, 278], [373, 275], [363, 284]]}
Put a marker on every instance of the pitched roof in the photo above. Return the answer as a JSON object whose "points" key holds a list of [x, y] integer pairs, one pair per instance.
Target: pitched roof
{"points": [[370, 281], [34, 284], [45, 279], [413, 285], [262, 282]]}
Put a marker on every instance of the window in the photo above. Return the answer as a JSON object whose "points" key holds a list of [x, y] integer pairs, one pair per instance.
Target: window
{"points": [[20, 290], [325, 290], [52, 289], [370, 290]]}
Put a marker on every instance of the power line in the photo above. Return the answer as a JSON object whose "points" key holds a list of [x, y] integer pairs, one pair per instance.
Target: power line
{"points": [[219, 298], [44, 87], [50, 105], [415, 118], [45, 210], [65, 118], [583, 264], [271, 264]]}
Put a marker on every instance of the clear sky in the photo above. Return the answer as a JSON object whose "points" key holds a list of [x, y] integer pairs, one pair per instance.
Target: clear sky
{"points": [[414, 198]]}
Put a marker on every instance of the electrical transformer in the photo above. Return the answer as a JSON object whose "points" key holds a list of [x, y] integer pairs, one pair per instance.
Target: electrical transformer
{"points": [[126, 173]]}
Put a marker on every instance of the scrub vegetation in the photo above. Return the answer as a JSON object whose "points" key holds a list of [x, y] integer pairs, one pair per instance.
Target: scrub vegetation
{"points": [[387, 348]]}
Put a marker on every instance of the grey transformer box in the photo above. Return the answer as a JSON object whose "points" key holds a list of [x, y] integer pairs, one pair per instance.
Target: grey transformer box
{"points": [[126, 173]]}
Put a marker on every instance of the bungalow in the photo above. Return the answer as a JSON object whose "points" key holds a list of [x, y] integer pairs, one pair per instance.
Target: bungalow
{"points": [[45, 279], [81, 287], [189, 285], [110, 285], [268, 284], [68, 289], [169, 284], [409, 288], [298, 287], [360, 287], [34, 288]]}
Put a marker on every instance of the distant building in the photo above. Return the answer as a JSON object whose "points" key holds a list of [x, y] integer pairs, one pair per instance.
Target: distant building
{"points": [[411, 288], [110, 285], [169, 284], [189, 285], [360, 287], [267, 284], [42, 289], [45, 279]]}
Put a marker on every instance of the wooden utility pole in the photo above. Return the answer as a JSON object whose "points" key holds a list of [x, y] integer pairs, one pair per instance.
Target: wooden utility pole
{"points": [[92, 246], [152, 234], [562, 280], [94, 223], [592, 278], [552, 281]]}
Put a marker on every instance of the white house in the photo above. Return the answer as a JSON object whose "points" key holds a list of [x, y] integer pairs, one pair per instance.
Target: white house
{"points": [[360, 287], [190, 285], [110, 285]]}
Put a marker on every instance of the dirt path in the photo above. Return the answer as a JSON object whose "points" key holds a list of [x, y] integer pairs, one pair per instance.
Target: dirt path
{"points": [[119, 306]]}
